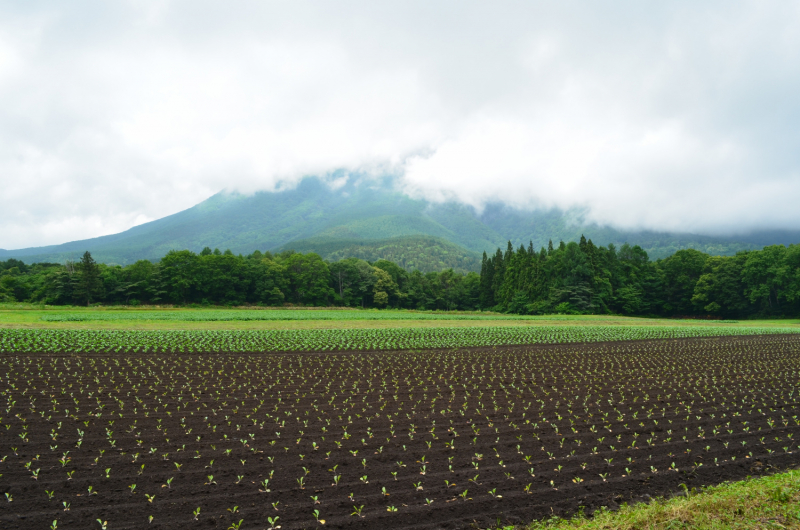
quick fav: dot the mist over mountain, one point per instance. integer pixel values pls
(371, 219)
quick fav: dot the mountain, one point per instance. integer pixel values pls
(370, 219)
(424, 253)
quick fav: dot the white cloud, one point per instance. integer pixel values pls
(677, 117)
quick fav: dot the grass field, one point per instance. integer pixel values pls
(151, 318)
(762, 503)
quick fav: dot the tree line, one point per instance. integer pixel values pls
(571, 278)
(584, 278)
(222, 278)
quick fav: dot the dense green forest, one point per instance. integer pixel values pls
(222, 278)
(585, 278)
(568, 278)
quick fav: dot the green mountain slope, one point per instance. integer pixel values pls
(361, 219)
(423, 253)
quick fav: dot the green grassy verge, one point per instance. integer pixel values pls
(768, 502)
(22, 316)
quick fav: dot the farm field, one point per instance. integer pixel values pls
(394, 439)
(322, 340)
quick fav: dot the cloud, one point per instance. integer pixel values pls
(668, 117)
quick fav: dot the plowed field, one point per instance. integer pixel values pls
(392, 439)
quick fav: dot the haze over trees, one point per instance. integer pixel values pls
(570, 278)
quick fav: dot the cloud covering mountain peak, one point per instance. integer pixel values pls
(668, 117)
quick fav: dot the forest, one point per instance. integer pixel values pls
(570, 278)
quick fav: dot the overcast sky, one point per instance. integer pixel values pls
(662, 115)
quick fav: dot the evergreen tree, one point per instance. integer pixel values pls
(89, 287)
(486, 296)
(499, 266)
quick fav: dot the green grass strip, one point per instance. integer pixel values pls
(244, 315)
(771, 502)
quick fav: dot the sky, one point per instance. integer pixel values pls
(671, 116)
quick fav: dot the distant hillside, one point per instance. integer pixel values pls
(363, 218)
(423, 253)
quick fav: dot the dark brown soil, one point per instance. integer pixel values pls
(584, 425)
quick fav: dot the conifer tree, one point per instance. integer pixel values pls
(88, 288)
(486, 297)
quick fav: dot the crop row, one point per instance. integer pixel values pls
(138, 341)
